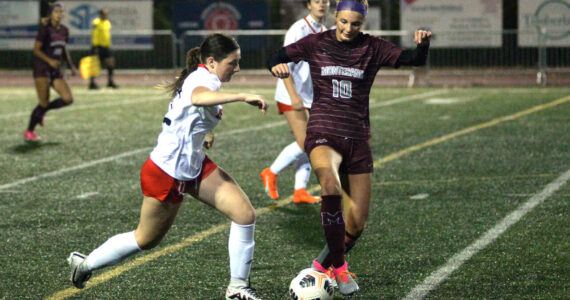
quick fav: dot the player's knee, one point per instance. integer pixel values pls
(330, 186)
(245, 215)
(68, 100)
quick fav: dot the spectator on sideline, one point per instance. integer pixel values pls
(294, 96)
(101, 46)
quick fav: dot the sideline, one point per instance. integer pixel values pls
(137, 261)
(457, 260)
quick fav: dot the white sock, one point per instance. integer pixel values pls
(302, 172)
(287, 156)
(240, 246)
(113, 251)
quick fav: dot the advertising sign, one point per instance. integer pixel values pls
(19, 23)
(455, 23)
(551, 17)
(131, 22)
(220, 15)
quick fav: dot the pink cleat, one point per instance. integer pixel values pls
(31, 136)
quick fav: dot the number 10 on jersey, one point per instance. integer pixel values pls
(342, 88)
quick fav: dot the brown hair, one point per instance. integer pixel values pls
(216, 45)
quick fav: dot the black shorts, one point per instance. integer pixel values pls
(356, 154)
(102, 52)
(42, 69)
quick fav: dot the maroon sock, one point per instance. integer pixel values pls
(325, 258)
(36, 117)
(333, 224)
(57, 103)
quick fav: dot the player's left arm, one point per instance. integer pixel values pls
(418, 56)
(277, 64)
(209, 140)
(69, 61)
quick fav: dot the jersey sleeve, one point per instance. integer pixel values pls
(302, 49)
(43, 35)
(387, 53)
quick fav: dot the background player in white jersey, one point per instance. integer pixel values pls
(294, 95)
(177, 165)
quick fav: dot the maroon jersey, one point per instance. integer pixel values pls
(53, 40)
(342, 75)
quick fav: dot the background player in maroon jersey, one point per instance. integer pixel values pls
(343, 64)
(49, 49)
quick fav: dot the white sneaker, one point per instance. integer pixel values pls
(241, 293)
(79, 272)
(346, 284)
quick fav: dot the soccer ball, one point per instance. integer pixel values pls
(311, 284)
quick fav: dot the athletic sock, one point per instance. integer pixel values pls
(110, 76)
(324, 258)
(114, 250)
(333, 225)
(36, 117)
(302, 171)
(287, 156)
(57, 103)
(240, 246)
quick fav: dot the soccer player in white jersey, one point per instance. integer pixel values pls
(294, 96)
(177, 166)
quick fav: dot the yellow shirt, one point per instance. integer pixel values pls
(101, 35)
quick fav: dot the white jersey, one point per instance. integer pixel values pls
(179, 148)
(300, 71)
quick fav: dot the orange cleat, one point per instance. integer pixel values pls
(270, 182)
(302, 196)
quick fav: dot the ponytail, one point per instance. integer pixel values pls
(192, 61)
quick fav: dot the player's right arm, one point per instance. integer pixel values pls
(41, 55)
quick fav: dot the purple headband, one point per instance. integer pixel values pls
(53, 6)
(353, 6)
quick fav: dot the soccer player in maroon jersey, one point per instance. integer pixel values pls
(344, 63)
(49, 49)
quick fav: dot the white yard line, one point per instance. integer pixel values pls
(147, 149)
(437, 277)
(89, 106)
(409, 98)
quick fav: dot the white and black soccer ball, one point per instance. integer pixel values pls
(311, 284)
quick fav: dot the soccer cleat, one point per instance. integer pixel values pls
(317, 266)
(302, 196)
(112, 85)
(31, 136)
(241, 293)
(79, 272)
(93, 86)
(345, 280)
(270, 182)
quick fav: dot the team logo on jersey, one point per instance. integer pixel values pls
(321, 141)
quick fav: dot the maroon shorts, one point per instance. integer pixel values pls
(356, 154)
(42, 69)
(157, 184)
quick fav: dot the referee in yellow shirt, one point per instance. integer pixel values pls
(101, 46)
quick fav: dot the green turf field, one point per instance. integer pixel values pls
(450, 166)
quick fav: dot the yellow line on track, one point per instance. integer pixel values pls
(224, 226)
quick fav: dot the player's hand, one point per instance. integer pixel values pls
(255, 100)
(209, 140)
(422, 37)
(54, 63)
(297, 103)
(281, 71)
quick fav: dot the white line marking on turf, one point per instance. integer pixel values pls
(437, 277)
(409, 98)
(87, 195)
(419, 196)
(134, 152)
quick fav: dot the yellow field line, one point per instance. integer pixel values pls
(224, 226)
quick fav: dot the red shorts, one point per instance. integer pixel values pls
(356, 154)
(157, 184)
(281, 107)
